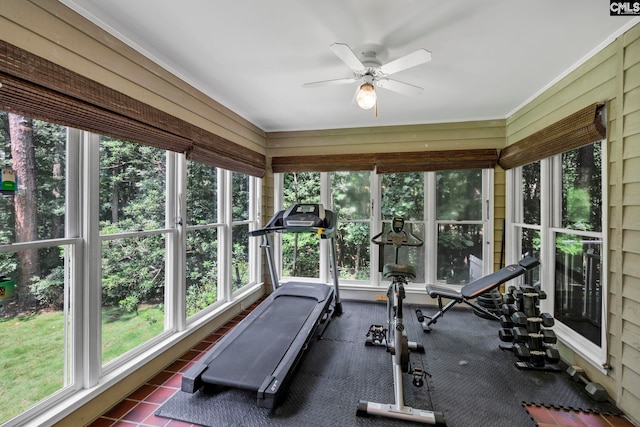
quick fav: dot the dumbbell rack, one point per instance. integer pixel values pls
(527, 330)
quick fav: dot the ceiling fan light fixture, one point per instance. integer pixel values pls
(366, 97)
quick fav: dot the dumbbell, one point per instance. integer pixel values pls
(505, 321)
(546, 335)
(519, 318)
(505, 334)
(515, 334)
(595, 390)
(522, 351)
(546, 319)
(541, 294)
(517, 294)
(509, 309)
(552, 355)
(508, 299)
(520, 334)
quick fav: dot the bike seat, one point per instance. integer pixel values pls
(399, 270)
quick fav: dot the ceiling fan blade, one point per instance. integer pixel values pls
(330, 82)
(347, 56)
(418, 57)
(400, 87)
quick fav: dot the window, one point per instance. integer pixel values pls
(301, 187)
(529, 217)
(241, 207)
(36, 264)
(219, 200)
(558, 218)
(202, 237)
(351, 197)
(578, 242)
(449, 210)
(93, 248)
(459, 207)
(132, 217)
(402, 194)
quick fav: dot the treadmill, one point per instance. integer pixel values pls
(263, 350)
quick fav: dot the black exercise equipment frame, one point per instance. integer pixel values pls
(263, 350)
(472, 290)
(394, 337)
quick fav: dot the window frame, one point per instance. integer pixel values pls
(551, 212)
(429, 223)
(85, 374)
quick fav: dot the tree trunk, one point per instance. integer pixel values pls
(58, 189)
(115, 194)
(26, 228)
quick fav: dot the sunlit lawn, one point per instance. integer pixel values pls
(32, 352)
(123, 331)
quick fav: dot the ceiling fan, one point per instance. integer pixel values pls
(371, 72)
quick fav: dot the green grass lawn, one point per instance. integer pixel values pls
(32, 352)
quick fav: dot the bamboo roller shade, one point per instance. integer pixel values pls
(37, 88)
(389, 162)
(580, 128)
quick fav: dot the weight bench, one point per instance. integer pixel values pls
(472, 290)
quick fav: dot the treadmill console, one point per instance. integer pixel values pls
(304, 215)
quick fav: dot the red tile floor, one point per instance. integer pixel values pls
(139, 407)
(553, 417)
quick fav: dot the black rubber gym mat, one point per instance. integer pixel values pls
(472, 381)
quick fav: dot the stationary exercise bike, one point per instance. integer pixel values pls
(394, 337)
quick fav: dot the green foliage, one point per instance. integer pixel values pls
(133, 268)
(49, 291)
(301, 187)
(459, 195)
(353, 251)
(582, 188)
(201, 295)
(301, 252)
(351, 199)
(578, 208)
(403, 195)
(202, 197)
(300, 255)
(130, 304)
(240, 191)
(569, 244)
(132, 186)
(202, 269)
(531, 187)
(49, 141)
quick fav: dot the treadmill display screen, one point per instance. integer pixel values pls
(306, 208)
(304, 215)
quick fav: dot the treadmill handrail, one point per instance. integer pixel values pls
(276, 225)
(263, 231)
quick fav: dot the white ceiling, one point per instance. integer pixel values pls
(489, 57)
